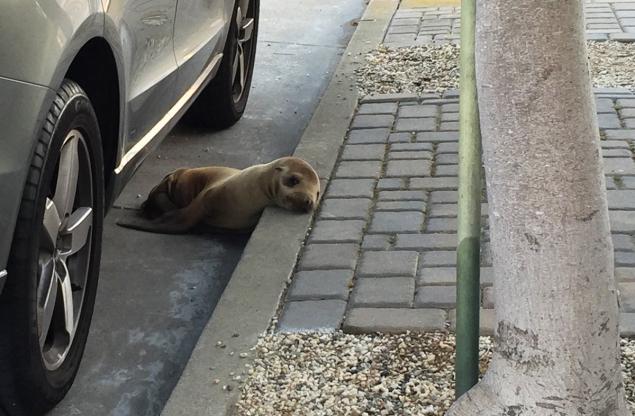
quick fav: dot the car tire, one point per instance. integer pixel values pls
(47, 304)
(222, 103)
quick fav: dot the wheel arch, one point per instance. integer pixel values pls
(95, 69)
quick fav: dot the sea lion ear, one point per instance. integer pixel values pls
(278, 168)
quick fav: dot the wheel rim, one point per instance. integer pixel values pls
(64, 254)
(245, 24)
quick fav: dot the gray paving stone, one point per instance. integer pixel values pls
(449, 126)
(337, 231)
(413, 155)
(621, 152)
(353, 208)
(435, 241)
(406, 39)
(435, 183)
(624, 199)
(629, 123)
(446, 170)
(450, 108)
(393, 222)
(487, 321)
(627, 297)
(450, 117)
(609, 121)
(364, 152)
(402, 137)
(625, 274)
(416, 124)
(398, 30)
(622, 134)
(597, 36)
(444, 197)
(394, 320)
(450, 210)
(377, 242)
(382, 98)
(438, 258)
(418, 111)
(614, 144)
(610, 184)
(447, 276)
(400, 206)
(378, 108)
(359, 169)
(402, 196)
(622, 221)
(622, 37)
(321, 284)
(627, 324)
(627, 112)
(329, 256)
(447, 159)
(319, 315)
(441, 225)
(409, 168)
(368, 136)
(447, 148)
(390, 184)
(410, 147)
(625, 102)
(372, 121)
(625, 13)
(619, 166)
(351, 188)
(624, 258)
(436, 297)
(405, 21)
(438, 136)
(604, 105)
(388, 263)
(383, 292)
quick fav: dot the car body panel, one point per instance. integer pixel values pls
(143, 31)
(199, 34)
(43, 56)
(154, 91)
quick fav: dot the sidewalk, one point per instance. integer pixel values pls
(381, 253)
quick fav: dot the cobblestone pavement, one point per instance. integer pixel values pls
(381, 253)
(439, 25)
(387, 224)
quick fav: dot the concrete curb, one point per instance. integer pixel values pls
(253, 293)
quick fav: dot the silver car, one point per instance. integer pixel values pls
(87, 89)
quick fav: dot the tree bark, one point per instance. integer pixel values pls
(556, 299)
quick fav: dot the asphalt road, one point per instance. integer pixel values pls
(157, 292)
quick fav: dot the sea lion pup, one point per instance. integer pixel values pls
(226, 198)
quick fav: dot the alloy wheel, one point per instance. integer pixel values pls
(64, 253)
(245, 24)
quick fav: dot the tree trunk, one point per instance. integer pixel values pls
(556, 300)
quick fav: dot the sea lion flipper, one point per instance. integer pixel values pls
(178, 221)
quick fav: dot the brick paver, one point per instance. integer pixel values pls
(381, 254)
(442, 25)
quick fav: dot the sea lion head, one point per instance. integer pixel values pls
(296, 185)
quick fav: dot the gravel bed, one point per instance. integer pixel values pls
(317, 374)
(428, 68)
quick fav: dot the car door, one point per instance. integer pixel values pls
(199, 32)
(146, 29)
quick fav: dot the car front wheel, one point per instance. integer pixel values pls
(47, 304)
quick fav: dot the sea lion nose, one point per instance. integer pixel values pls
(308, 205)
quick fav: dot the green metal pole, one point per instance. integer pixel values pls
(469, 215)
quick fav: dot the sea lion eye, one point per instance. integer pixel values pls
(291, 181)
